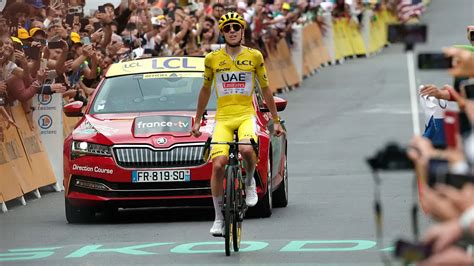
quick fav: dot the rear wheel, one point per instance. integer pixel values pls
(78, 214)
(229, 210)
(280, 196)
(238, 210)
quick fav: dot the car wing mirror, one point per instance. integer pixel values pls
(279, 102)
(73, 109)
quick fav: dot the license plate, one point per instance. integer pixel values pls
(161, 176)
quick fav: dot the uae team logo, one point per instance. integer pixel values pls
(44, 99)
(45, 122)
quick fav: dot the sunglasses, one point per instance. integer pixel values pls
(228, 27)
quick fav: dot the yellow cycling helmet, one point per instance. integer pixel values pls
(231, 17)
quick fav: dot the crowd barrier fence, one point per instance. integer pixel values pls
(25, 165)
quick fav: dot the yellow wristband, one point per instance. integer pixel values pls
(276, 120)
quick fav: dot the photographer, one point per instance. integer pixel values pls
(453, 207)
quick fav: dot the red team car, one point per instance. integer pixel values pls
(133, 147)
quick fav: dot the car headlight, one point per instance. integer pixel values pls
(82, 148)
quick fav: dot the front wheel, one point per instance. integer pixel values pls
(229, 209)
(238, 212)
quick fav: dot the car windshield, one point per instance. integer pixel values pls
(150, 93)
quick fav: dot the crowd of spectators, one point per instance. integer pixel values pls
(56, 46)
(450, 203)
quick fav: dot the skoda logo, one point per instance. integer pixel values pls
(161, 141)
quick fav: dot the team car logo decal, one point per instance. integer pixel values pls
(229, 83)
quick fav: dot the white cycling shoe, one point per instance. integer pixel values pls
(217, 228)
(251, 197)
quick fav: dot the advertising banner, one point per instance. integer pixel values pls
(48, 119)
(9, 186)
(297, 49)
(34, 148)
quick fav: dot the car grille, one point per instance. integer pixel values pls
(146, 157)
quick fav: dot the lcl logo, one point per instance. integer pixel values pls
(45, 121)
(44, 99)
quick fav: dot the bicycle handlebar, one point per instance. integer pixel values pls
(209, 142)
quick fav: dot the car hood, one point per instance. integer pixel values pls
(141, 128)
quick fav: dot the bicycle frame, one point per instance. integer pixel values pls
(234, 202)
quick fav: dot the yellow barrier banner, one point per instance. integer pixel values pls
(323, 50)
(68, 124)
(19, 161)
(355, 37)
(9, 186)
(310, 58)
(34, 149)
(286, 65)
(346, 40)
(307, 60)
(338, 40)
(275, 79)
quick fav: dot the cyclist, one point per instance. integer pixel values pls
(233, 71)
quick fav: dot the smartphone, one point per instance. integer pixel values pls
(412, 252)
(451, 128)
(437, 171)
(17, 46)
(434, 61)
(43, 64)
(33, 52)
(409, 34)
(70, 19)
(86, 40)
(101, 9)
(55, 45)
(84, 22)
(458, 181)
(97, 25)
(467, 88)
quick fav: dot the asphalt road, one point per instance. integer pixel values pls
(335, 119)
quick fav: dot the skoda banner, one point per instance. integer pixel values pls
(48, 117)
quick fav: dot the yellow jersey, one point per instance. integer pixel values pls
(233, 80)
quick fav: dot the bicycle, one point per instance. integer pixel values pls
(234, 208)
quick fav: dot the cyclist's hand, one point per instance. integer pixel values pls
(278, 130)
(195, 131)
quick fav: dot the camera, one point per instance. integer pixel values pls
(391, 157)
(409, 34)
(438, 173)
(412, 252)
(434, 61)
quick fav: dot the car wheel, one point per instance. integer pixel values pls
(264, 205)
(78, 214)
(280, 196)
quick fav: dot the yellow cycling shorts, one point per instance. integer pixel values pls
(224, 132)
